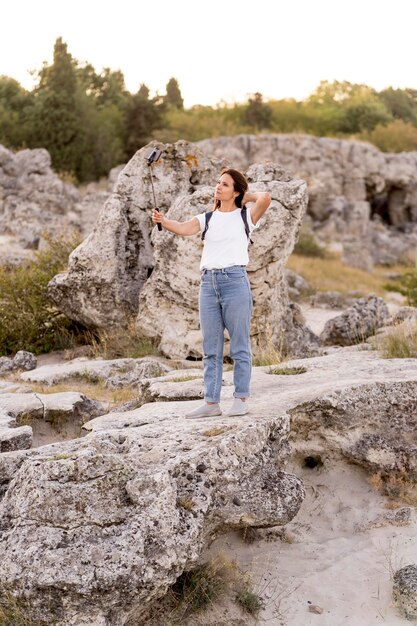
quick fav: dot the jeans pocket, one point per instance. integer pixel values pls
(238, 275)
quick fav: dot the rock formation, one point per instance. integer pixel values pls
(361, 320)
(35, 202)
(119, 270)
(405, 591)
(168, 303)
(32, 197)
(361, 197)
(108, 270)
(95, 529)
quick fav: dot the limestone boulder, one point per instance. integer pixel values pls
(127, 268)
(350, 184)
(22, 360)
(113, 373)
(404, 591)
(33, 199)
(358, 322)
(95, 528)
(168, 302)
(108, 270)
(372, 425)
(404, 313)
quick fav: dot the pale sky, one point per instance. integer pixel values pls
(219, 49)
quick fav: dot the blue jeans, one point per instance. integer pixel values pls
(226, 302)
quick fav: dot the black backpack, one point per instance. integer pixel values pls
(208, 217)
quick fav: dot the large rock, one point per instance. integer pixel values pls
(114, 372)
(357, 323)
(33, 199)
(119, 270)
(404, 591)
(108, 270)
(371, 424)
(93, 528)
(350, 183)
(168, 303)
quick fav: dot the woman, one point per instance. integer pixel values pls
(225, 295)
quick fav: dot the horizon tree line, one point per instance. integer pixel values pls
(89, 122)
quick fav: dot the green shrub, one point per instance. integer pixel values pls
(406, 284)
(199, 587)
(250, 602)
(29, 319)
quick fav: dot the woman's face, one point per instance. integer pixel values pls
(224, 190)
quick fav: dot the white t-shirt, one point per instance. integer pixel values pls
(225, 243)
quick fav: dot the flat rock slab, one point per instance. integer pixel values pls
(92, 370)
(19, 438)
(94, 528)
(57, 408)
(50, 406)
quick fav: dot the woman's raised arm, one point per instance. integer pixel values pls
(262, 200)
(190, 227)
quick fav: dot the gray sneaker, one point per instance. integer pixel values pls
(207, 410)
(239, 407)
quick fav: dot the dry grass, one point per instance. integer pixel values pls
(14, 612)
(331, 274)
(398, 487)
(200, 589)
(267, 353)
(94, 391)
(122, 343)
(398, 342)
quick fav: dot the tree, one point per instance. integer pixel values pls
(143, 116)
(400, 103)
(363, 116)
(173, 97)
(57, 124)
(15, 102)
(257, 113)
(397, 136)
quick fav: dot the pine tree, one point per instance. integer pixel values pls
(173, 97)
(143, 116)
(258, 114)
(56, 123)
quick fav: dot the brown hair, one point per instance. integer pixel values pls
(240, 184)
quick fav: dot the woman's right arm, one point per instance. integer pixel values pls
(190, 227)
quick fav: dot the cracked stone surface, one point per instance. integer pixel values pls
(117, 372)
(55, 408)
(405, 591)
(94, 528)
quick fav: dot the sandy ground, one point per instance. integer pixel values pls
(338, 554)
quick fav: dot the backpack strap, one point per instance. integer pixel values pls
(245, 221)
(208, 217)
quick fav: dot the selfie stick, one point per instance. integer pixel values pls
(151, 158)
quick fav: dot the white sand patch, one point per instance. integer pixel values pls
(339, 554)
